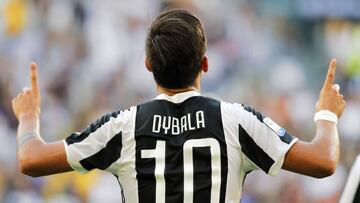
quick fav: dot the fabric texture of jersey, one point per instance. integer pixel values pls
(181, 148)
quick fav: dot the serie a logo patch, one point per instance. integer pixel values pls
(274, 126)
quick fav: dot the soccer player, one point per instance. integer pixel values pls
(181, 146)
(351, 191)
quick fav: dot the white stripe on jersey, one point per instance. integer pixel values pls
(235, 170)
(124, 167)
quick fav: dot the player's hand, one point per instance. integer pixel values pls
(28, 100)
(330, 98)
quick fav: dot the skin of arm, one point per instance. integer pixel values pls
(35, 157)
(319, 158)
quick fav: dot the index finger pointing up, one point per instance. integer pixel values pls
(33, 77)
(331, 74)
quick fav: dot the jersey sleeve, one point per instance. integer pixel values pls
(263, 143)
(99, 145)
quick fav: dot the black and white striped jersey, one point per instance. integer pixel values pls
(182, 148)
(351, 193)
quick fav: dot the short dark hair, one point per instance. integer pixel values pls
(175, 47)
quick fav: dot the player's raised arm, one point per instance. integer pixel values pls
(320, 157)
(35, 157)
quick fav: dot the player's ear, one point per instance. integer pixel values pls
(204, 64)
(147, 64)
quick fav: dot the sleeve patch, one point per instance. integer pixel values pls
(274, 126)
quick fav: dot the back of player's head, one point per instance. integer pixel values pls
(175, 47)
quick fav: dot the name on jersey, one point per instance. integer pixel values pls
(176, 126)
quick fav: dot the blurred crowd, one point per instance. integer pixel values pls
(90, 55)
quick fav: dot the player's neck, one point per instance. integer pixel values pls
(171, 92)
(195, 87)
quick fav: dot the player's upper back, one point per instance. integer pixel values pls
(181, 148)
(184, 135)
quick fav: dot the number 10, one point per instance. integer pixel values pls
(159, 154)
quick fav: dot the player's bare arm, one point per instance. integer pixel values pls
(320, 157)
(35, 156)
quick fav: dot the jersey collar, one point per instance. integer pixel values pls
(178, 98)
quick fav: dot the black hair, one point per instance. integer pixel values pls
(175, 48)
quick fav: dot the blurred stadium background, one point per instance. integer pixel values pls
(272, 55)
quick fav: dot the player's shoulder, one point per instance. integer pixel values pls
(238, 106)
(232, 106)
(117, 116)
(240, 110)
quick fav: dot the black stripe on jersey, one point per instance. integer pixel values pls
(78, 137)
(357, 195)
(106, 156)
(254, 152)
(258, 115)
(202, 176)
